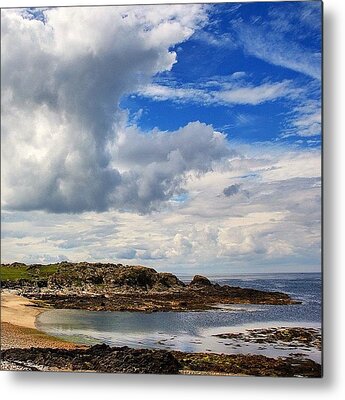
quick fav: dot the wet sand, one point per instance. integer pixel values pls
(18, 316)
(18, 328)
(21, 337)
(17, 310)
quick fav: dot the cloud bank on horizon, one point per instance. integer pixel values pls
(180, 136)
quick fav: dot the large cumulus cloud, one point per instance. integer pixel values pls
(155, 165)
(66, 146)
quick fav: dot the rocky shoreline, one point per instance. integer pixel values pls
(114, 287)
(293, 337)
(102, 358)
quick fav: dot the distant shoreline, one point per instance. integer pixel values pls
(234, 275)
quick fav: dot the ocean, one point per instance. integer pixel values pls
(194, 331)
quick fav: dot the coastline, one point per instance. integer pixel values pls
(18, 328)
(25, 348)
(19, 311)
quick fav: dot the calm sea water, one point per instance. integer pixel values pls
(193, 331)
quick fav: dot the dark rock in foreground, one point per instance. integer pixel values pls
(249, 364)
(102, 358)
(115, 287)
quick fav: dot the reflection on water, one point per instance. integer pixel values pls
(193, 331)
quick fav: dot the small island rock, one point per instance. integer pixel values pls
(200, 281)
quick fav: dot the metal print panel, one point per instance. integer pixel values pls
(161, 189)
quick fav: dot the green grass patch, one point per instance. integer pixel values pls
(15, 272)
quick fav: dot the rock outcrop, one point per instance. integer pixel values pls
(115, 287)
(113, 277)
(102, 358)
(202, 281)
(293, 337)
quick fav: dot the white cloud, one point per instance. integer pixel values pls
(255, 95)
(154, 166)
(306, 119)
(275, 222)
(62, 80)
(244, 94)
(162, 92)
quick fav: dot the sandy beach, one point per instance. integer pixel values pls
(17, 310)
(18, 328)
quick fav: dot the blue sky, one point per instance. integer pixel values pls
(222, 53)
(183, 137)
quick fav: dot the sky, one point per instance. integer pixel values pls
(182, 137)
